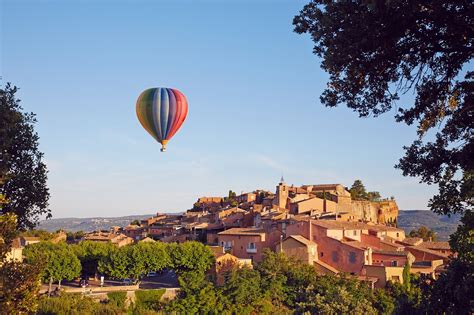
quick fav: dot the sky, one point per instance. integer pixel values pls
(252, 85)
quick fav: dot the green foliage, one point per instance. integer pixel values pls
(408, 300)
(42, 234)
(462, 241)
(19, 282)
(383, 302)
(74, 236)
(20, 286)
(90, 253)
(358, 191)
(61, 262)
(423, 232)
(190, 256)
(196, 295)
(8, 232)
(24, 185)
(135, 222)
(132, 261)
(452, 293)
(406, 277)
(117, 299)
(74, 304)
(149, 299)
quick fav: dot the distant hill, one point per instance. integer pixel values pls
(88, 224)
(441, 224)
(407, 220)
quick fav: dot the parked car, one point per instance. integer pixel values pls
(152, 274)
(128, 281)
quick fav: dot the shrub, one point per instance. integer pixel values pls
(117, 299)
(74, 304)
(149, 299)
(66, 304)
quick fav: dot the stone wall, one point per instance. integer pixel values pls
(380, 212)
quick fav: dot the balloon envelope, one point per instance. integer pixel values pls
(162, 111)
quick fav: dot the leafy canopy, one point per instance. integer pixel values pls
(376, 51)
(21, 163)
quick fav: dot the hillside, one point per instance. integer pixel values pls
(442, 225)
(88, 224)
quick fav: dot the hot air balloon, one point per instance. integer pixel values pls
(162, 111)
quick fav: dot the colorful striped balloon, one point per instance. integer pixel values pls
(162, 111)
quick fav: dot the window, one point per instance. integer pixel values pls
(334, 256)
(322, 254)
(251, 246)
(355, 233)
(394, 263)
(352, 257)
(398, 234)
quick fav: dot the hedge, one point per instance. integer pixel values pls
(149, 299)
(117, 298)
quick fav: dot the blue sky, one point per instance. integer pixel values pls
(253, 89)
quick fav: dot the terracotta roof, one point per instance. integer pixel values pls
(303, 240)
(146, 240)
(413, 241)
(391, 253)
(426, 250)
(31, 238)
(324, 185)
(243, 231)
(332, 224)
(326, 266)
(435, 245)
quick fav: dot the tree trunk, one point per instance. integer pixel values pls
(59, 285)
(50, 285)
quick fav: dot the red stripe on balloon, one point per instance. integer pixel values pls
(181, 113)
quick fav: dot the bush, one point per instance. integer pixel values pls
(117, 299)
(74, 304)
(149, 299)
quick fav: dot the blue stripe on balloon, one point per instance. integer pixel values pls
(157, 113)
(165, 104)
(172, 112)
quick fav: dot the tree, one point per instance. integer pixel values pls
(190, 256)
(374, 51)
(358, 191)
(90, 253)
(20, 286)
(406, 276)
(374, 196)
(197, 296)
(135, 222)
(423, 232)
(133, 261)
(19, 282)
(243, 289)
(21, 163)
(452, 293)
(61, 261)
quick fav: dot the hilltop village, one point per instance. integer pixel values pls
(321, 225)
(318, 224)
